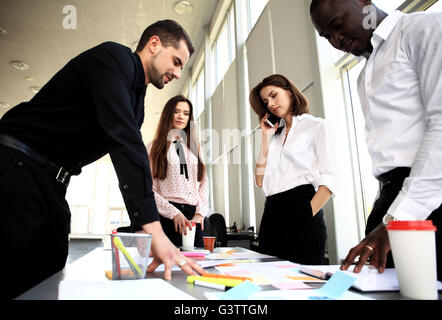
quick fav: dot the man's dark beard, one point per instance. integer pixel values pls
(155, 78)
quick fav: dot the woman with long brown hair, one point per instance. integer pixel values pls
(179, 176)
(295, 171)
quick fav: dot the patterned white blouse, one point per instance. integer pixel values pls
(176, 187)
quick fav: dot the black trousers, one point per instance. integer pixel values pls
(390, 184)
(34, 225)
(289, 230)
(169, 227)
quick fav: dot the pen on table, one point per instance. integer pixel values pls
(226, 282)
(211, 285)
(117, 255)
(315, 273)
(224, 276)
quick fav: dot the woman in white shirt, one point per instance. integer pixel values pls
(295, 171)
(180, 181)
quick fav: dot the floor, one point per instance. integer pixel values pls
(80, 247)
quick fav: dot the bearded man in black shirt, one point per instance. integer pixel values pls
(93, 106)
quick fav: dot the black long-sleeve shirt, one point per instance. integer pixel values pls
(93, 106)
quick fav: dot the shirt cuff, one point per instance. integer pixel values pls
(170, 212)
(329, 182)
(144, 212)
(202, 210)
(404, 208)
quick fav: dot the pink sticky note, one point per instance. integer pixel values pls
(238, 273)
(291, 286)
(193, 254)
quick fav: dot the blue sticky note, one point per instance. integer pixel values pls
(296, 270)
(241, 291)
(320, 298)
(336, 285)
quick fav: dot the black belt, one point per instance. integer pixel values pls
(394, 174)
(304, 190)
(61, 174)
(183, 206)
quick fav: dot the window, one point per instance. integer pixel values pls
(255, 8)
(388, 6)
(221, 53)
(436, 7)
(363, 164)
(80, 197)
(95, 200)
(223, 49)
(197, 95)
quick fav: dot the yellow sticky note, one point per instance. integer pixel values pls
(260, 280)
(304, 278)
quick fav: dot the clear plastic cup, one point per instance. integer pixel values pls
(130, 255)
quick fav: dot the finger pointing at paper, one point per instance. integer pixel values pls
(165, 252)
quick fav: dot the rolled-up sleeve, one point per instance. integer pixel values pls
(111, 78)
(325, 158)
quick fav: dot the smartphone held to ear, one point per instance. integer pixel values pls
(272, 120)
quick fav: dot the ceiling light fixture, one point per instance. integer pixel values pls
(183, 8)
(2, 31)
(4, 105)
(35, 89)
(19, 65)
(29, 78)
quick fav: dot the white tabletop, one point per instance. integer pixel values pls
(92, 266)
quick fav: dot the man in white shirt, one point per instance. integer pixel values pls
(400, 89)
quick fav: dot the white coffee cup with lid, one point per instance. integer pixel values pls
(413, 246)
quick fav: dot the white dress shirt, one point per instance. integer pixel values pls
(400, 89)
(305, 158)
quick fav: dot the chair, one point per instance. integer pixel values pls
(218, 226)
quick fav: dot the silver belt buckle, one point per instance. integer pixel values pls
(63, 176)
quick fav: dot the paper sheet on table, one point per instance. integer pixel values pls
(141, 260)
(146, 289)
(369, 279)
(283, 273)
(233, 255)
(202, 263)
(289, 295)
(291, 286)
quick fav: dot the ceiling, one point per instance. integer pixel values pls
(34, 34)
